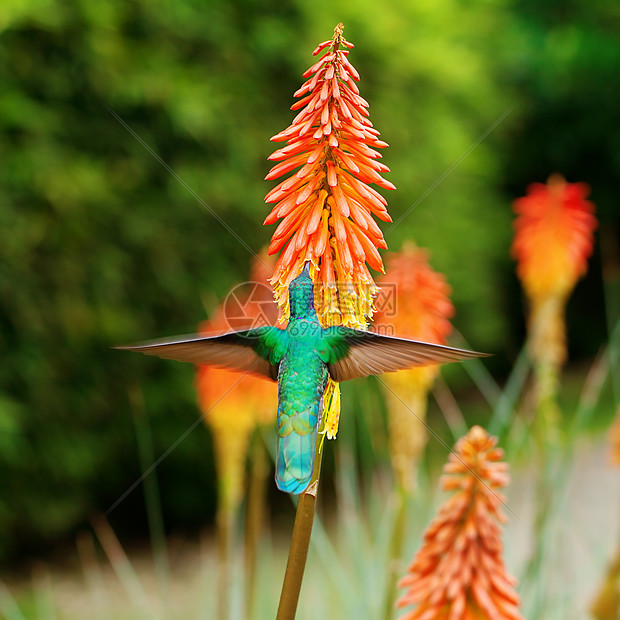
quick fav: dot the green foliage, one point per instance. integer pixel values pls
(102, 245)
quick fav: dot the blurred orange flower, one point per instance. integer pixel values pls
(553, 239)
(553, 236)
(415, 304)
(326, 206)
(459, 573)
(235, 403)
(422, 307)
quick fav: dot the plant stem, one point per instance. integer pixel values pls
(300, 543)
(396, 548)
(254, 519)
(122, 566)
(151, 494)
(552, 477)
(225, 527)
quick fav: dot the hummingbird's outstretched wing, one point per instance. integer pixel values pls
(351, 353)
(258, 351)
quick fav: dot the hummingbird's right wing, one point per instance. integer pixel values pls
(257, 351)
(351, 353)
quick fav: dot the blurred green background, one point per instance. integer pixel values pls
(101, 245)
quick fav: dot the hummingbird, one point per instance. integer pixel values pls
(301, 358)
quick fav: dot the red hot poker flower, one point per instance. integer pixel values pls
(326, 207)
(459, 573)
(553, 240)
(416, 304)
(422, 297)
(553, 236)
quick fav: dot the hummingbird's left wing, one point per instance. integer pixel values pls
(351, 353)
(257, 351)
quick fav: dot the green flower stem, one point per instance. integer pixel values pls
(395, 569)
(547, 375)
(151, 493)
(300, 543)
(255, 518)
(225, 519)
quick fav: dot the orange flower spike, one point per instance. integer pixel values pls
(231, 418)
(553, 236)
(459, 572)
(418, 307)
(236, 404)
(332, 145)
(553, 240)
(424, 306)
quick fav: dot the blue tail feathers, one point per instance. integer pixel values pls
(295, 453)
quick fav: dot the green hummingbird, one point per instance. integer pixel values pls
(301, 358)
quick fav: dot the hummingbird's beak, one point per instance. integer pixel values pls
(306, 268)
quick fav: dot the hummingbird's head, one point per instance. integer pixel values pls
(301, 294)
